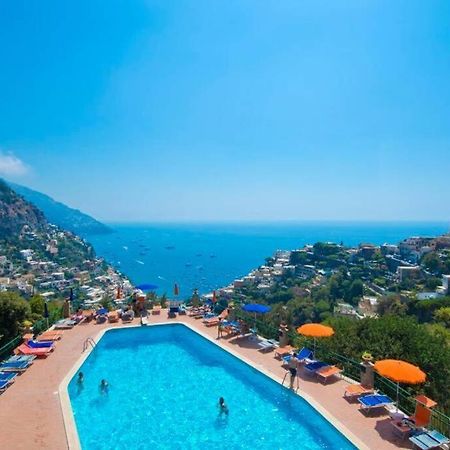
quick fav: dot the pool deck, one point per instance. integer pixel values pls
(31, 415)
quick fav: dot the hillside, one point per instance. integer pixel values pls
(62, 215)
(16, 213)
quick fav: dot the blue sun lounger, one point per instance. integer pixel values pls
(305, 354)
(24, 358)
(39, 344)
(7, 376)
(313, 367)
(374, 401)
(3, 385)
(428, 440)
(14, 366)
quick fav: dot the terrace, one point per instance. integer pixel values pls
(32, 416)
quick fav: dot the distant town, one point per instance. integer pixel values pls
(416, 268)
(43, 267)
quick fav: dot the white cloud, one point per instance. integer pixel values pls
(10, 165)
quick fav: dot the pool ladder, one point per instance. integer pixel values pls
(88, 342)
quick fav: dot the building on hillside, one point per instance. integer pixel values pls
(446, 284)
(367, 251)
(306, 270)
(389, 249)
(83, 276)
(408, 273)
(346, 310)
(368, 306)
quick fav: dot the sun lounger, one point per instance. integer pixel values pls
(7, 376)
(156, 309)
(267, 344)
(284, 351)
(65, 324)
(40, 344)
(312, 368)
(374, 401)
(303, 355)
(421, 417)
(39, 352)
(357, 390)
(23, 358)
(50, 335)
(327, 372)
(3, 385)
(14, 366)
(428, 440)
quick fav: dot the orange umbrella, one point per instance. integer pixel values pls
(315, 330)
(400, 372)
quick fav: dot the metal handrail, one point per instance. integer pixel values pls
(352, 370)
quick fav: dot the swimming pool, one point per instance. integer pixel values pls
(164, 386)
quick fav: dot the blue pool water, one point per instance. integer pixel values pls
(164, 386)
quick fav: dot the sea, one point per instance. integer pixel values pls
(210, 256)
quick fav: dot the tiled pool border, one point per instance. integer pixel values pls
(73, 441)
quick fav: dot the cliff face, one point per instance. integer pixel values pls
(62, 215)
(16, 212)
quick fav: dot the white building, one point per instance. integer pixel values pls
(408, 273)
(446, 283)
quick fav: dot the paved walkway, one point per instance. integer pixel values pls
(31, 416)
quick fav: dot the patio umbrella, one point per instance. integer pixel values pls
(256, 308)
(315, 330)
(400, 372)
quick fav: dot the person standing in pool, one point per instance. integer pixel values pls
(223, 408)
(80, 381)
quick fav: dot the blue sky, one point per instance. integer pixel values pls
(229, 110)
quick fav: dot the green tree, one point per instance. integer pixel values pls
(37, 305)
(443, 315)
(432, 262)
(13, 311)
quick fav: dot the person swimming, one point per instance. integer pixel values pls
(223, 408)
(104, 386)
(80, 382)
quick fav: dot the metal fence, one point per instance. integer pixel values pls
(352, 369)
(7, 349)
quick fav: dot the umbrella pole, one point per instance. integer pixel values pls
(397, 396)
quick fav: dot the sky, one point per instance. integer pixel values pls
(212, 110)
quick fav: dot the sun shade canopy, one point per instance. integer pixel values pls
(315, 330)
(256, 308)
(400, 371)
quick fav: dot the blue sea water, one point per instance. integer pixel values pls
(209, 256)
(164, 386)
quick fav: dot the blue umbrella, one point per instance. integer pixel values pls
(146, 287)
(256, 308)
(102, 311)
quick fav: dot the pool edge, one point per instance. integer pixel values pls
(72, 437)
